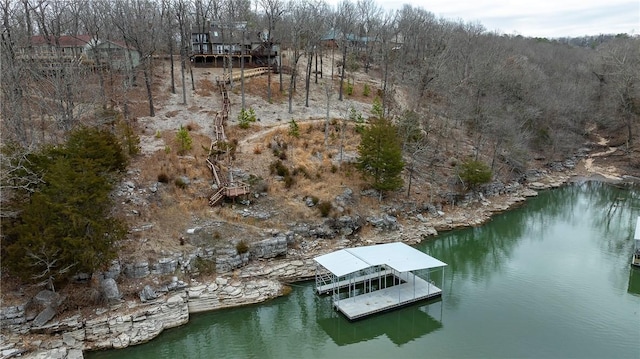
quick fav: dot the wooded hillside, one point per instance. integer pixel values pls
(439, 83)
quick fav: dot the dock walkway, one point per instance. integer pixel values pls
(413, 290)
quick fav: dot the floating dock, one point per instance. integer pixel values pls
(382, 300)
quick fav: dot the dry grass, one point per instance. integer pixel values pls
(358, 91)
(310, 163)
(205, 87)
(257, 86)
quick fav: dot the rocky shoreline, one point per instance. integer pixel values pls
(133, 322)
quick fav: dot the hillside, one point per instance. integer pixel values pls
(161, 213)
(164, 196)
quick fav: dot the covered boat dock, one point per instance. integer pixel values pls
(635, 259)
(372, 279)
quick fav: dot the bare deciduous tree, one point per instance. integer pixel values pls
(345, 21)
(273, 9)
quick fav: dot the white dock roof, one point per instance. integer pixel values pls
(398, 256)
(636, 237)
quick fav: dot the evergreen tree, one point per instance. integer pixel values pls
(474, 174)
(65, 226)
(380, 155)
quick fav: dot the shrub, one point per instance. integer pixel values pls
(130, 140)
(204, 266)
(180, 183)
(184, 140)
(474, 173)
(302, 170)
(242, 247)
(325, 208)
(261, 187)
(278, 168)
(246, 117)
(289, 181)
(315, 200)
(366, 91)
(257, 150)
(376, 108)
(294, 130)
(357, 118)
(349, 89)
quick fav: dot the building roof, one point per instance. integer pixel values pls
(110, 43)
(335, 35)
(64, 40)
(398, 256)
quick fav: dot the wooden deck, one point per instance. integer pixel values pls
(413, 290)
(236, 190)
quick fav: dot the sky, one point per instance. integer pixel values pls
(538, 18)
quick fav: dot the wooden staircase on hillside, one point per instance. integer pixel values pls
(237, 75)
(218, 153)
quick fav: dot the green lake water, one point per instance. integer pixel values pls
(551, 279)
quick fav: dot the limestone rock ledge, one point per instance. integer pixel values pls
(137, 322)
(224, 293)
(143, 322)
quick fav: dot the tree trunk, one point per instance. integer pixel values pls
(269, 76)
(182, 74)
(193, 84)
(147, 83)
(292, 80)
(242, 51)
(173, 78)
(316, 55)
(280, 70)
(384, 82)
(344, 66)
(308, 79)
(410, 178)
(326, 122)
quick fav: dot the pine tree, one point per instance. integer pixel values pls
(380, 155)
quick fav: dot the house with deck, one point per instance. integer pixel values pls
(218, 42)
(52, 53)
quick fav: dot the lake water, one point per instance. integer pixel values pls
(549, 280)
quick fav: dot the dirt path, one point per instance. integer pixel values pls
(610, 172)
